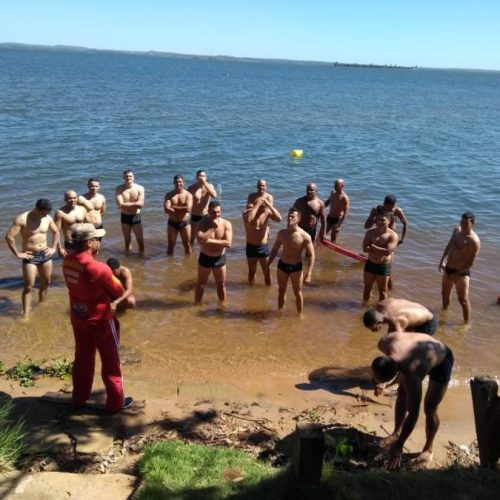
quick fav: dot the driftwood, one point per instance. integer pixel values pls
(487, 417)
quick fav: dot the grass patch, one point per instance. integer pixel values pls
(173, 469)
(12, 434)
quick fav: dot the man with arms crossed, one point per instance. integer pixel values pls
(65, 218)
(294, 240)
(400, 316)
(130, 200)
(311, 208)
(123, 274)
(261, 193)
(409, 358)
(94, 203)
(215, 234)
(380, 244)
(177, 205)
(36, 255)
(256, 221)
(459, 255)
(202, 192)
(91, 288)
(339, 208)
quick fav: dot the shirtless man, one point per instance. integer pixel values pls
(202, 192)
(256, 221)
(311, 208)
(177, 205)
(411, 357)
(380, 244)
(65, 218)
(94, 203)
(260, 194)
(130, 200)
(215, 234)
(389, 207)
(339, 208)
(459, 255)
(400, 316)
(122, 273)
(35, 254)
(294, 240)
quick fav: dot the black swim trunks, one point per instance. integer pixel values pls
(209, 261)
(428, 327)
(442, 372)
(179, 225)
(257, 251)
(196, 218)
(38, 258)
(333, 220)
(311, 232)
(130, 220)
(453, 272)
(378, 269)
(289, 268)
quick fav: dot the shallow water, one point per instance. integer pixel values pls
(430, 137)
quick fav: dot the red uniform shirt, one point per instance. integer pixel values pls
(91, 287)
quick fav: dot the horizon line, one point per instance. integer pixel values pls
(157, 53)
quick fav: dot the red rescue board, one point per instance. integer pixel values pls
(344, 251)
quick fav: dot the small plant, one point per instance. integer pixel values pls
(60, 368)
(12, 435)
(25, 373)
(2, 367)
(312, 416)
(343, 450)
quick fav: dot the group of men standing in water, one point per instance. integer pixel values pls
(97, 289)
(195, 215)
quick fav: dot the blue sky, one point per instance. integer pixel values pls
(438, 33)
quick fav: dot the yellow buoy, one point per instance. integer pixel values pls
(297, 153)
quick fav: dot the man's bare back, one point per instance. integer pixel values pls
(404, 315)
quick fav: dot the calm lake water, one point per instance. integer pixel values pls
(430, 137)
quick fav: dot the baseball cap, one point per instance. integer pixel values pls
(86, 231)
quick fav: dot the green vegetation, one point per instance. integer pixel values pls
(2, 367)
(24, 372)
(12, 435)
(60, 368)
(172, 469)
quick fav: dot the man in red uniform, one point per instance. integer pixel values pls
(91, 289)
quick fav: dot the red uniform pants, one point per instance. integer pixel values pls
(103, 337)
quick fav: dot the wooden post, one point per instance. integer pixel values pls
(486, 405)
(308, 452)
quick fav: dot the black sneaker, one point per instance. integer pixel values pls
(128, 402)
